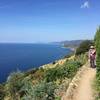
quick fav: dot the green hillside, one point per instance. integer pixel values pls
(48, 82)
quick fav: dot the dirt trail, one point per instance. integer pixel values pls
(84, 90)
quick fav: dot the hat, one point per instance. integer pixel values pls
(91, 47)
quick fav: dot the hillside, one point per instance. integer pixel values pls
(54, 81)
(49, 81)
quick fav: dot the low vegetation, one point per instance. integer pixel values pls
(2, 92)
(41, 84)
(68, 70)
(97, 44)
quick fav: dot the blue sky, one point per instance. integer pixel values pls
(32, 21)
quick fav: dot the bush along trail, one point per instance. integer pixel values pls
(97, 82)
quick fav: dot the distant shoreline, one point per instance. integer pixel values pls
(73, 49)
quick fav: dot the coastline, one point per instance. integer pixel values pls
(59, 61)
(52, 63)
(72, 49)
(46, 66)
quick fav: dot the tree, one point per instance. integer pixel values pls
(84, 47)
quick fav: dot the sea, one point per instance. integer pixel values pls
(14, 57)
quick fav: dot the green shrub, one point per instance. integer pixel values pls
(84, 47)
(14, 84)
(41, 91)
(60, 72)
(71, 68)
(97, 44)
(2, 92)
(54, 73)
(97, 98)
(58, 98)
(38, 75)
(83, 58)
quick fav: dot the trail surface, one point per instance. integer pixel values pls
(84, 91)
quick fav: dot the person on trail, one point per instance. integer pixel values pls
(92, 56)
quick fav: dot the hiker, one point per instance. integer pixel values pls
(92, 56)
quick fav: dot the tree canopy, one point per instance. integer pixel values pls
(84, 47)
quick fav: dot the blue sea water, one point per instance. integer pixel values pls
(23, 57)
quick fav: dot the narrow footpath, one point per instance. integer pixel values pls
(84, 91)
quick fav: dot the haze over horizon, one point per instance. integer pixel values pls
(36, 21)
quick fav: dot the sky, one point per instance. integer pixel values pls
(36, 21)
